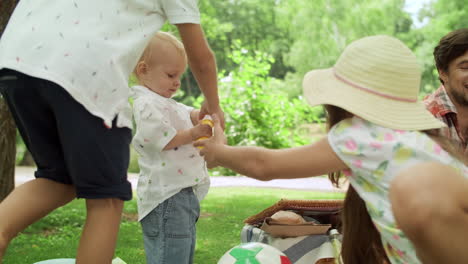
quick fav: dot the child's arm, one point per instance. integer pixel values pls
(266, 164)
(184, 137)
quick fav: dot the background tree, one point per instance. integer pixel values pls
(7, 125)
(320, 31)
(439, 17)
(258, 25)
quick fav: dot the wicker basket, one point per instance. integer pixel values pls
(325, 211)
(328, 208)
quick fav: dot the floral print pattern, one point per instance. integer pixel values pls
(374, 155)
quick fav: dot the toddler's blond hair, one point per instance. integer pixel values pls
(160, 36)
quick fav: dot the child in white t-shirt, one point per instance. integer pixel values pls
(173, 176)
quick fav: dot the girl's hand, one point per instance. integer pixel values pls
(210, 146)
(201, 130)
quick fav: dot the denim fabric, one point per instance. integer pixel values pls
(169, 231)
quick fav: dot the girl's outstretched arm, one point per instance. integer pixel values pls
(267, 164)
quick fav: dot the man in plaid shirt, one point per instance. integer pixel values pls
(449, 103)
(431, 191)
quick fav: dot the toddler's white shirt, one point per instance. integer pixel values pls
(88, 47)
(163, 173)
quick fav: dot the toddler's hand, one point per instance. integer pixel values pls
(201, 130)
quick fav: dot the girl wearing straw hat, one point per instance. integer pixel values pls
(382, 139)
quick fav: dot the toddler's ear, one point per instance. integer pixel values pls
(141, 69)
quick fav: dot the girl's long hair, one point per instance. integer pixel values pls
(361, 240)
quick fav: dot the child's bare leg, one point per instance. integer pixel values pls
(430, 206)
(97, 244)
(28, 203)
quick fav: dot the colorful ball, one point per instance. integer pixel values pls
(254, 253)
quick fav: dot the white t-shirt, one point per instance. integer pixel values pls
(88, 47)
(163, 173)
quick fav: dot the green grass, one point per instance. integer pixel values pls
(223, 212)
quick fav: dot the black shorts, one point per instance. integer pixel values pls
(68, 144)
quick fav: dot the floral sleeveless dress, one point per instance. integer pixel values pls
(375, 155)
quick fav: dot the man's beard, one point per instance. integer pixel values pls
(460, 97)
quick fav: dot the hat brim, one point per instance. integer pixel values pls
(322, 87)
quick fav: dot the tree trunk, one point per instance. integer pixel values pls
(7, 150)
(6, 9)
(27, 160)
(7, 125)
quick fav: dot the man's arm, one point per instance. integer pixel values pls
(203, 65)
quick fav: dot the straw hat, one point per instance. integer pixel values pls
(376, 78)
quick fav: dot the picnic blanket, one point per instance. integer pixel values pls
(300, 250)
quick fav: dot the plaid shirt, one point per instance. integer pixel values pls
(440, 105)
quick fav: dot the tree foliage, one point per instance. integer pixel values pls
(256, 114)
(441, 17)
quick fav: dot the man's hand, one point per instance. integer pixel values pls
(210, 146)
(208, 110)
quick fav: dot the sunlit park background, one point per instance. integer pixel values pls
(263, 49)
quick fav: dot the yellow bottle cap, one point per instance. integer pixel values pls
(201, 138)
(207, 121)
